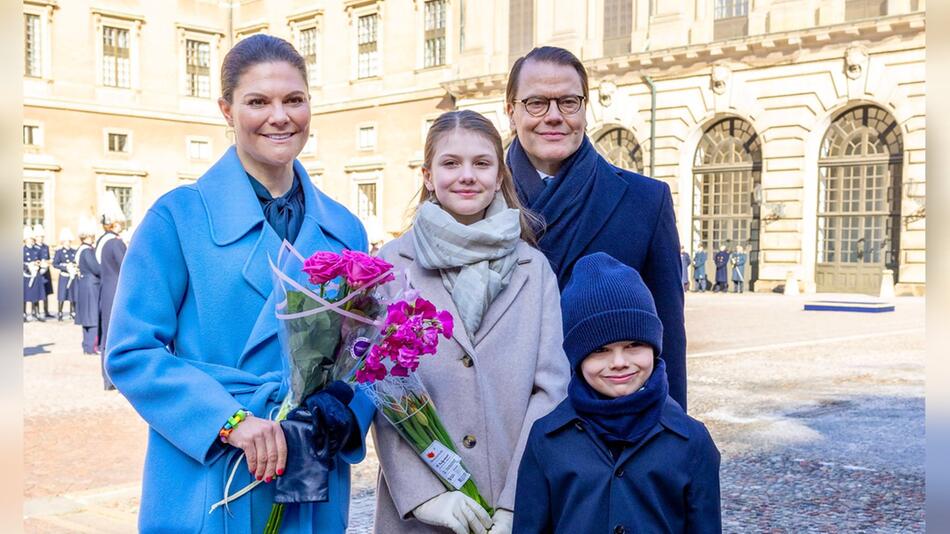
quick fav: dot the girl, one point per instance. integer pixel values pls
(467, 251)
(193, 341)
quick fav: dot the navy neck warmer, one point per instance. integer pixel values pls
(285, 213)
(621, 421)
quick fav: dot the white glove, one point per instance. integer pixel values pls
(504, 522)
(454, 511)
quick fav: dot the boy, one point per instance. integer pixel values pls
(618, 455)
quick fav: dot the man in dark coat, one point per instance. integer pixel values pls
(618, 455)
(722, 266)
(87, 298)
(588, 205)
(64, 259)
(110, 250)
(699, 268)
(684, 259)
(738, 261)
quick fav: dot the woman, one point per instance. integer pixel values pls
(193, 343)
(504, 366)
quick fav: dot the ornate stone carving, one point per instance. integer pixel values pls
(855, 61)
(719, 78)
(605, 93)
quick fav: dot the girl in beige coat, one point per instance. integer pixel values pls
(468, 253)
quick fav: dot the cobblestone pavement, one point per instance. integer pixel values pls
(819, 417)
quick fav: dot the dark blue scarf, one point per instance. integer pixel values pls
(285, 213)
(574, 207)
(622, 421)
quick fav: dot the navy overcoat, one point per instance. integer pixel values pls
(722, 266)
(110, 250)
(194, 338)
(32, 280)
(569, 483)
(87, 299)
(66, 288)
(699, 264)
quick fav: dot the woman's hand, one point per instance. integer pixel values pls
(264, 447)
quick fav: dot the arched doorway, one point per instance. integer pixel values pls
(859, 195)
(621, 149)
(727, 176)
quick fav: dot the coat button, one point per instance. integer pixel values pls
(619, 529)
(468, 441)
(619, 473)
(467, 360)
(579, 426)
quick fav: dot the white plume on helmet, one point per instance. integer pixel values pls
(111, 211)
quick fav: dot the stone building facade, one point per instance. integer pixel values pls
(795, 128)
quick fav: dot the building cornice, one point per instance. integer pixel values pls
(85, 107)
(772, 47)
(195, 28)
(119, 171)
(376, 100)
(110, 14)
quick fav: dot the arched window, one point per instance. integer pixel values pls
(727, 172)
(859, 193)
(620, 148)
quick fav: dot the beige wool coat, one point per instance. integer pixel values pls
(488, 390)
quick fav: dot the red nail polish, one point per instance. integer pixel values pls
(280, 472)
(260, 477)
(267, 480)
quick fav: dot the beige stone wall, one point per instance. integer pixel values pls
(787, 78)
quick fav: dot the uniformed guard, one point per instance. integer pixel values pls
(110, 250)
(699, 268)
(32, 278)
(64, 260)
(42, 250)
(685, 261)
(722, 264)
(87, 298)
(738, 268)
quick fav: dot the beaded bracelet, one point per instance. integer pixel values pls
(232, 423)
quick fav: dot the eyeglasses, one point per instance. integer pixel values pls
(538, 106)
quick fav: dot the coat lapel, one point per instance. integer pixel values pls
(607, 190)
(429, 284)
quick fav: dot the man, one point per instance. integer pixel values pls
(722, 262)
(41, 249)
(685, 261)
(588, 205)
(32, 278)
(64, 260)
(87, 298)
(110, 250)
(699, 268)
(738, 268)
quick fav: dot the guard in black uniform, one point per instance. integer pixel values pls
(110, 250)
(39, 235)
(87, 299)
(32, 278)
(722, 267)
(64, 260)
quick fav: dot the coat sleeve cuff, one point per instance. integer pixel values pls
(363, 408)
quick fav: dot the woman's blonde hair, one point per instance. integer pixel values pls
(475, 122)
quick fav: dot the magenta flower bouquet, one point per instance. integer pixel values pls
(386, 373)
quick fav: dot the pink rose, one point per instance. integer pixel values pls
(361, 269)
(323, 266)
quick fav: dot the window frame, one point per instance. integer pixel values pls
(108, 132)
(435, 33)
(196, 139)
(37, 136)
(367, 126)
(43, 10)
(133, 25)
(374, 63)
(112, 178)
(193, 74)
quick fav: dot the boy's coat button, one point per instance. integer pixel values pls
(619, 529)
(468, 441)
(619, 473)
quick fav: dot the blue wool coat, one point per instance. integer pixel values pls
(722, 262)
(194, 338)
(66, 288)
(699, 264)
(569, 483)
(87, 294)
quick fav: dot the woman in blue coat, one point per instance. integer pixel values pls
(193, 340)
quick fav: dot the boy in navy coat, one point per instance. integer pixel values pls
(618, 455)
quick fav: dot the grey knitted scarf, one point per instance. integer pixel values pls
(475, 260)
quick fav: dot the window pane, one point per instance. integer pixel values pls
(520, 28)
(33, 203)
(368, 59)
(32, 45)
(116, 66)
(366, 202)
(124, 195)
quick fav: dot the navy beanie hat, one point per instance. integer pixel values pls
(604, 302)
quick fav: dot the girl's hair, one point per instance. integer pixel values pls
(471, 121)
(258, 48)
(546, 54)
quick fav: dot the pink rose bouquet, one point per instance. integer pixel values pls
(386, 373)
